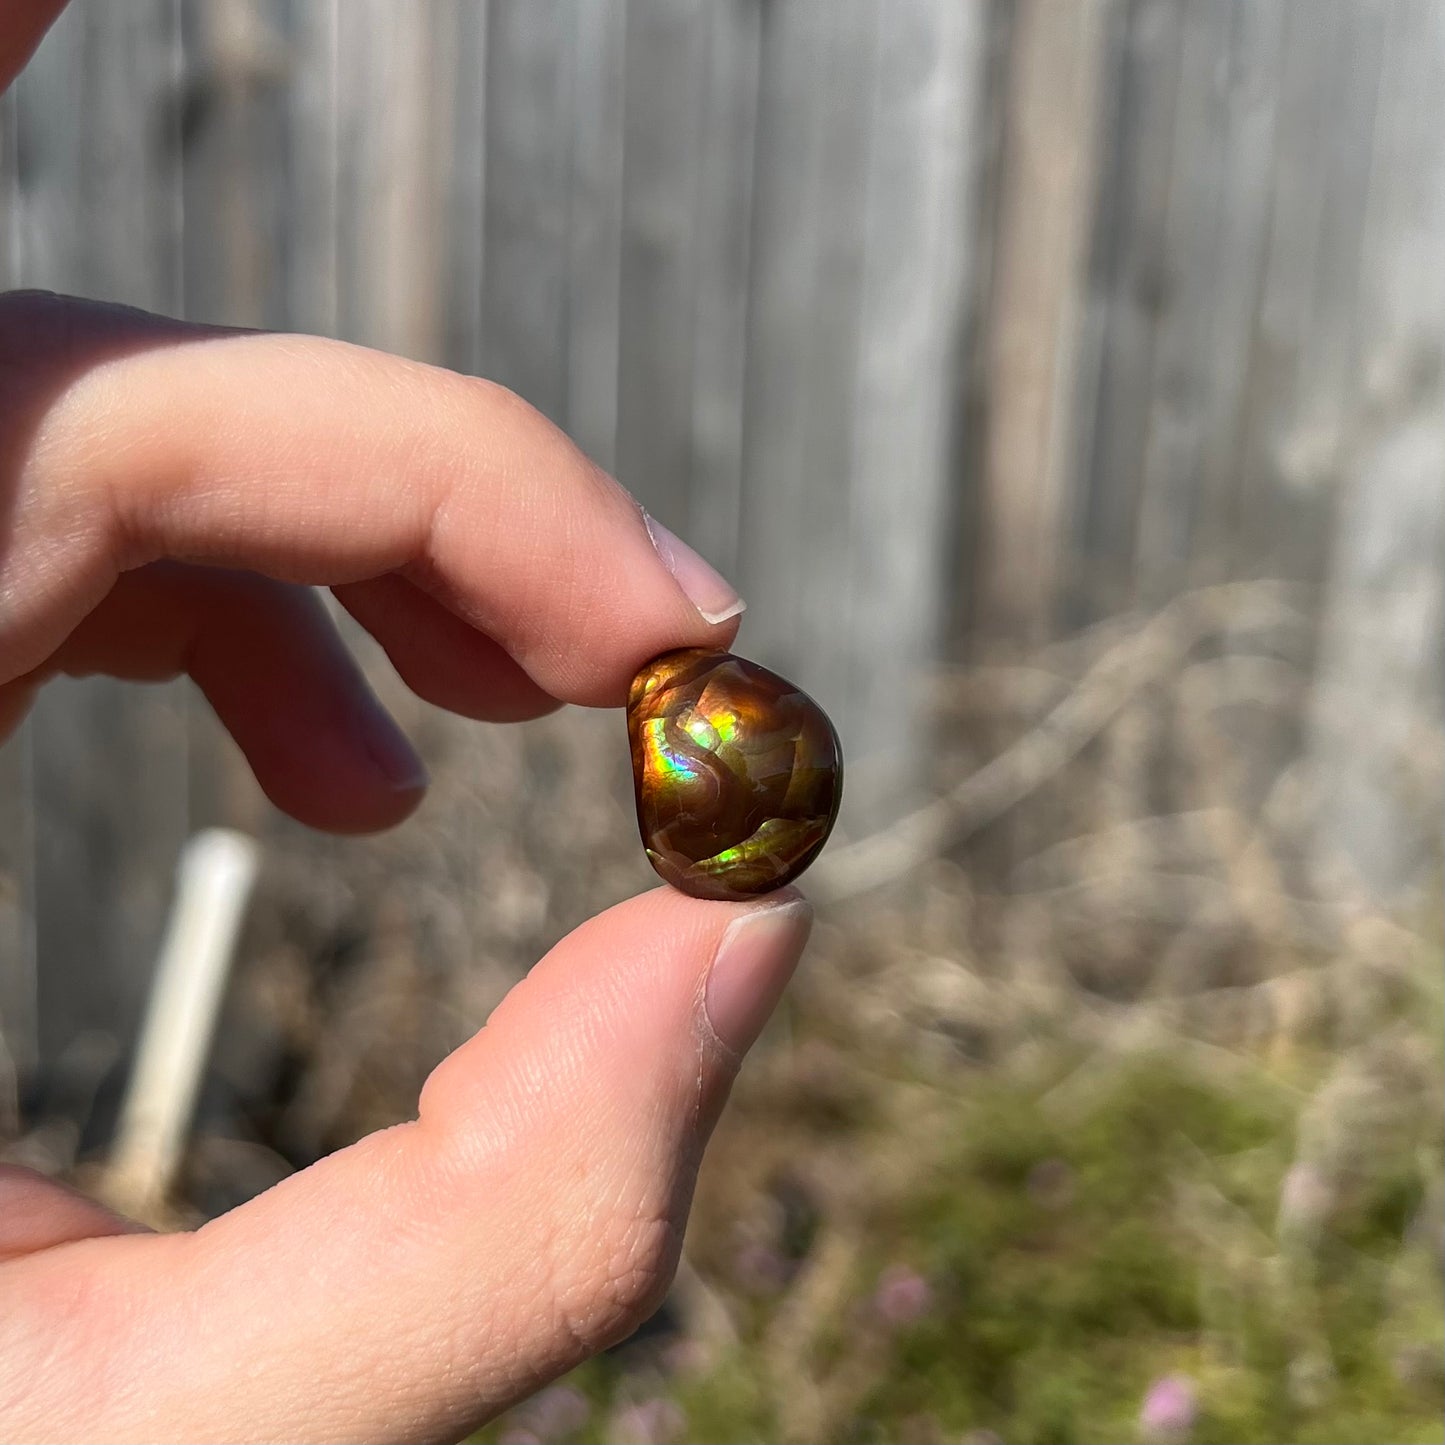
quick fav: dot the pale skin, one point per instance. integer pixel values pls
(168, 496)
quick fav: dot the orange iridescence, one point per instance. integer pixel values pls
(737, 773)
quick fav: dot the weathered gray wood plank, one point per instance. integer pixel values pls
(1402, 291)
(787, 219)
(1127, 303)
(594, 227)
(1047, 184)
(918, 226)
(724, 228)
(665, 68)
(233, 134)
(824, 595)
(390, 249)
(459, 70)
(1380, 666)
(1216, 231)
(312, 176)
(809, 256)
(1302, 359)
(528, 168)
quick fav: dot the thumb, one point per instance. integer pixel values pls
(418, 1282)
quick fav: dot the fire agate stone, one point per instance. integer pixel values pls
(738, 773)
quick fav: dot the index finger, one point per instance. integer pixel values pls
(126, 438)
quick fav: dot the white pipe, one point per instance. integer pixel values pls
(214, 879)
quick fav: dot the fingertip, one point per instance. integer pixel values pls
(393, 758)
(322, 746)
(755, 960)
(352, 774)
(716, 599)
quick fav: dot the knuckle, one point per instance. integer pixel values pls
(498, 401)
(529, 432)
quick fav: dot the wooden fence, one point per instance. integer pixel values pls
(931, 322)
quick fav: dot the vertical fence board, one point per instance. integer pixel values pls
(1216, 228)
(1040, 250)
(1127, 299)
(782, 284)
(1301, 359)
(49, 205)
(310, 265)
(665, 66)
(917, 226)
(460, 63)
(1247, 111)
(594, 237)
(724, 225)
(822, 627)
(814, 122)
(389, 263)
(528, 168)
(1402, 294)
(233, 134)
(1380, 662)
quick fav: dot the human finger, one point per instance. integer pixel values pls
(126, 439)
(441, 658)
(270, 663)
(37, 1213)
(423, 1279)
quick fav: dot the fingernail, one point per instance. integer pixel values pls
(754, 962)
(390, 750)
(707, 589)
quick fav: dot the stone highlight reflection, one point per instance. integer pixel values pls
(737, 773)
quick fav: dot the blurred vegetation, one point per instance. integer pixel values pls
(956, 1254)
(1106, 1107)
(1107, 1124)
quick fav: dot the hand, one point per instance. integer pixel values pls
(164, 491)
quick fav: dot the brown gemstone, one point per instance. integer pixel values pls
(738, 774)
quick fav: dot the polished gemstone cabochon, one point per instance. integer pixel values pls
(738, 774)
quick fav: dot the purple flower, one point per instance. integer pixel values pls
(1169, 1410)
(902, 1296)
(648, 1422)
